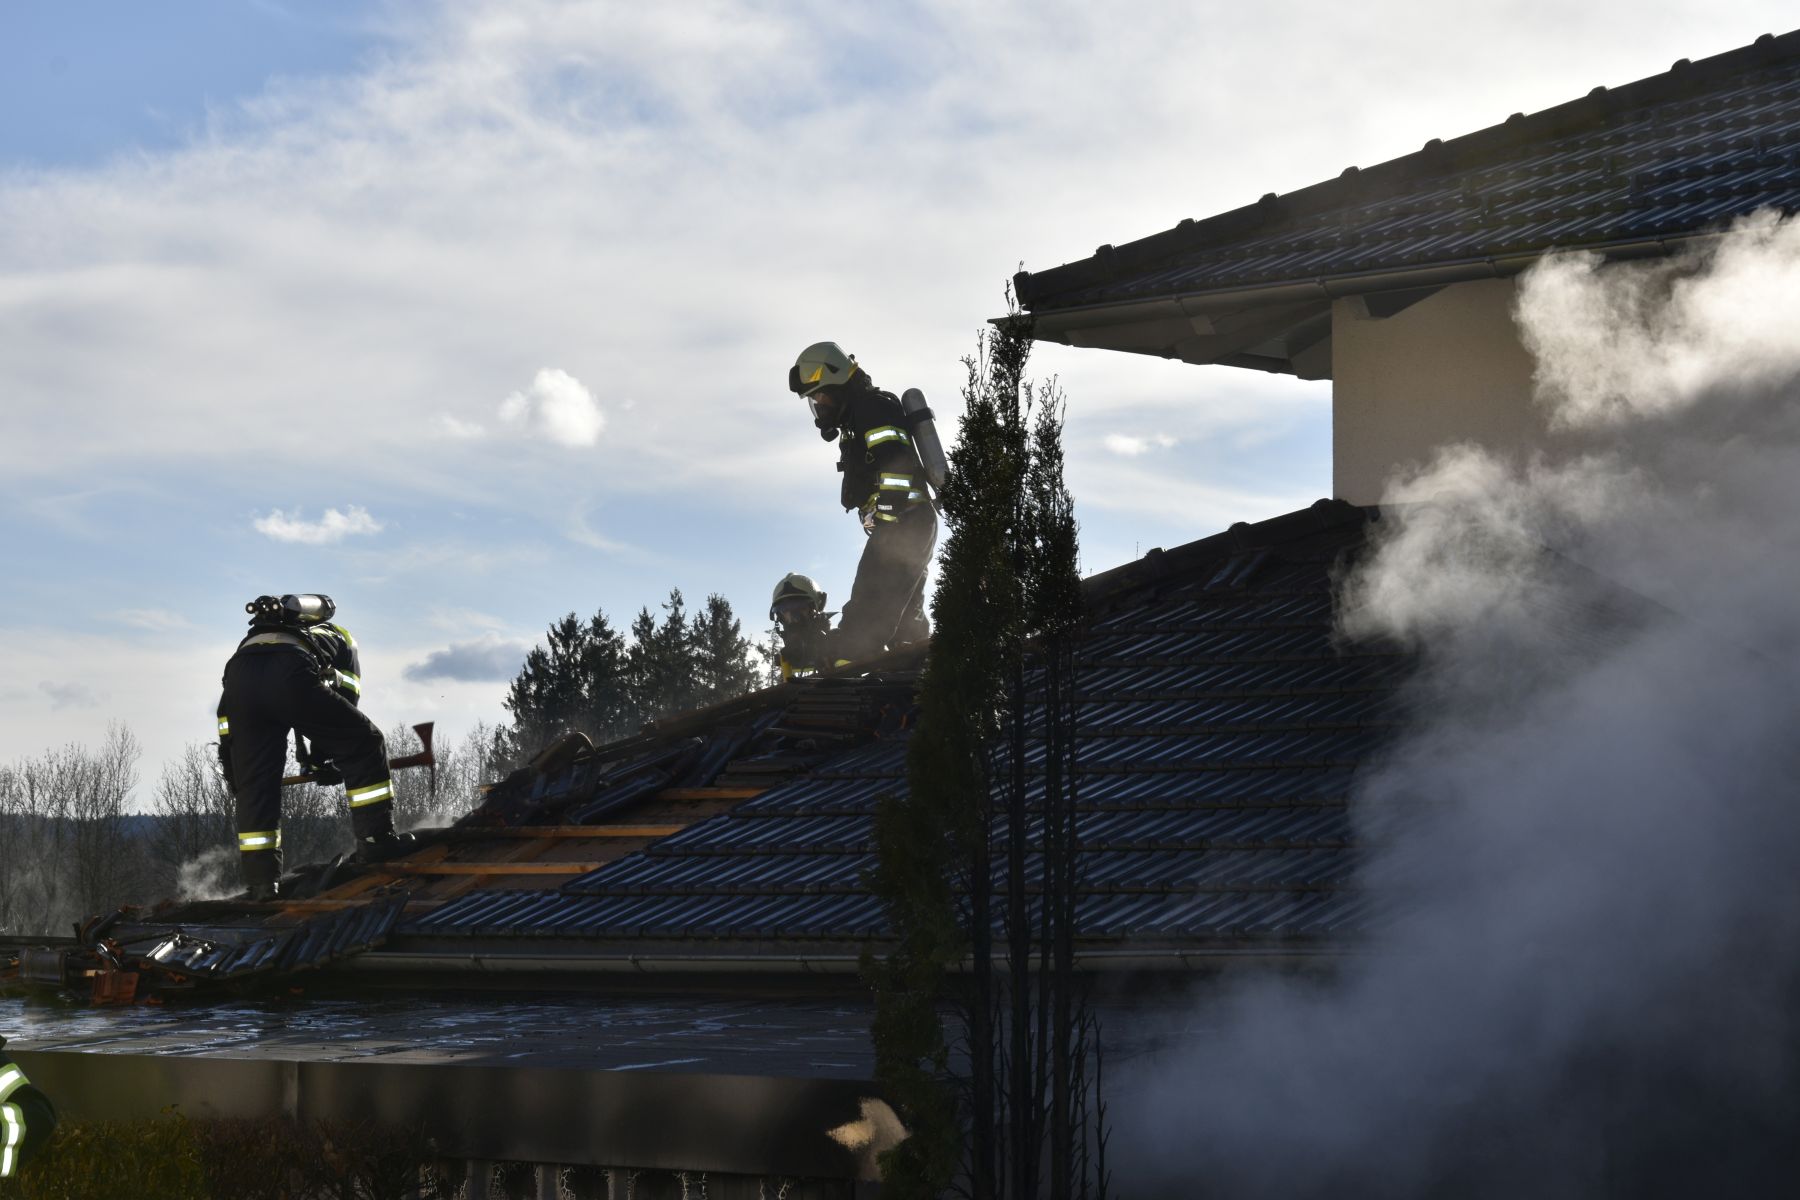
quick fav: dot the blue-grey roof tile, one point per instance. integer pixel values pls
(1222, 726)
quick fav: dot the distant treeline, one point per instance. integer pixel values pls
(589, 677)
(70, 847)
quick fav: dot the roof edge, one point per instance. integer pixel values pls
(1057, 323)
(1436, 157)
(533, 966)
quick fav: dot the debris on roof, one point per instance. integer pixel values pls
(1223, 724)
(117, 960)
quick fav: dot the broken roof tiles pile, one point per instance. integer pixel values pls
(1221, 727)
(1674, 154)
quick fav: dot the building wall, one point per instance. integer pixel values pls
(1449, 368)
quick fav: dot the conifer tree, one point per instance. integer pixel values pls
(946, 817)
(589, 677)
(723, 662)
(1006, 616)
(661, 659)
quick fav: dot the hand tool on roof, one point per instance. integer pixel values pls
(423, 758)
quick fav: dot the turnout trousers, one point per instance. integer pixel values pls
(268, 692)
(887, 601)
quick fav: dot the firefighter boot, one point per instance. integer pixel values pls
(261, 871)
(376, 840)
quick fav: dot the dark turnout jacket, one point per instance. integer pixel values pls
(26, 1116)
(331, 648)
(881, 468)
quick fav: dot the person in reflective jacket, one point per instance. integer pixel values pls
(295, 670)
(26, 1116)
(884, 483)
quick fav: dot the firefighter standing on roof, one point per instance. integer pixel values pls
(26, 1116)
(295, 670)
(885, 484)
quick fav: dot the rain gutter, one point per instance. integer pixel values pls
(389, 962)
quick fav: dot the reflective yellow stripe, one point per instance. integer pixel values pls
(346, 679)
(345, 634)
(224, 726)
(896, 483)
(13, 1121)
(372, 794)
(261, 839)
(884, 433)
(11, 1080)
(883, 516)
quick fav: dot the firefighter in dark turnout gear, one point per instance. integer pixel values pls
(26, 1116)
(884, 483)
(798, 610)
(295, 670)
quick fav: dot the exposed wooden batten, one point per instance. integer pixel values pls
(710, 793)
(559, 832)
(490, 868)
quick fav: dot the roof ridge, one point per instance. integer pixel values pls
(1241, 537)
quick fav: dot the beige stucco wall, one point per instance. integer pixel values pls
(1449, 368)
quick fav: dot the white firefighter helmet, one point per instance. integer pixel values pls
(820, 365)
(795, 589)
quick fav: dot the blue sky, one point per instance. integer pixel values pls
(471, 314)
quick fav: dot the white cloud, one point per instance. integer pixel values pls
(456, 427)
(1131, 446)
(332, 526)
(453, 619)
(70, 695)
(341, 236)
(154, 620)
(558, 407)
(489, 658)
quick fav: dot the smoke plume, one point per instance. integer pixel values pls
(211, 875)
(1584, 846)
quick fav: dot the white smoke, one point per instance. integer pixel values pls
(1614, 346)
(1584, 845)
(212, 875)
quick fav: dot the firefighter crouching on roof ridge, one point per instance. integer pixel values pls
(296, 670)
(26, 1116)
(885, 482)
(798, 610)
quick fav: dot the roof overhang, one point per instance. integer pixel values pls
(1284, 327)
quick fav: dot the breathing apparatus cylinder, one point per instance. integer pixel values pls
(309, 609)
(305, 609)
(925, 439)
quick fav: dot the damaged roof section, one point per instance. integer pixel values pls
(1626, 171)
(1222, 726)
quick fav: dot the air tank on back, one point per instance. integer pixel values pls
(308, 609)
(925, 438)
